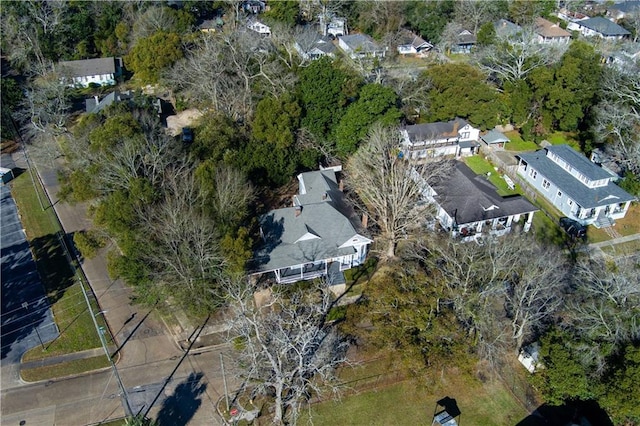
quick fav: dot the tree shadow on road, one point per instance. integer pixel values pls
(179, 408)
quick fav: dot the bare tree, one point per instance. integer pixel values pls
(513, 57)
(474, 13)
(287, 347)
(617, 116)
(182, 247)
(606, 303)
(389, 187)
(151, 20)
(513, 282)
(224, 70)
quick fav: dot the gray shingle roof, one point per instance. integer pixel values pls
(494, 136)
(431, 131)
(360, 43)
(469, 198)
(315, 232)
(579, 162)
(586, 197)
(88, 67)
(604, 26)
(506, 28)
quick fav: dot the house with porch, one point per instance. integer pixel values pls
(259, 27)
(82, 73)
(469, 206)
(361, 46)
(412, 44)
(311, 46)
(318, 236)
(455, 138)
(599, 27)
(574, 185)
(548, 32)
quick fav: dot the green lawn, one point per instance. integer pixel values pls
(407, 403)
(517, 143)
(561, 138)
(481, 166)
(64, 369)
(77, 331)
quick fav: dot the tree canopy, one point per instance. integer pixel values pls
(150, 55)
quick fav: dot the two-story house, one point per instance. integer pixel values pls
(318, 236)
(574, 185)
(82, 73)
(469, 206)
(456, 137)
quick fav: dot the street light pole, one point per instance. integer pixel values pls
(100, 331)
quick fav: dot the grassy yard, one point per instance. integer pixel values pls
(407, 403)
(628, 226)
(481, 166)
(76, 327)
(64, 369)
(516, 143)
(561, 138)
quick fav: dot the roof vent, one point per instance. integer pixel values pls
(298, 210)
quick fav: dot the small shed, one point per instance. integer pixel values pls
(529, 357)
(495, 139)
(446, 412)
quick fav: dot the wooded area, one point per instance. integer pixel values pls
(182, 217)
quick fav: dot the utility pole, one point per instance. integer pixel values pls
(100, 331)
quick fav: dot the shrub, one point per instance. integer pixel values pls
(88, 242)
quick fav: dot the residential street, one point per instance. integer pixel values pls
(148, 354)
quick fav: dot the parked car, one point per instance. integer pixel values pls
(572, 227)
(187, 135)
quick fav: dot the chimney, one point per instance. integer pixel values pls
(365, 220)
(324, 196)
(298, 210)
(456, 125)
(341, 185)
(96, 99)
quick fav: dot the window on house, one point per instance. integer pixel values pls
(545, 184)
(533, 174)
(559, 194)
(464, 135)
(570, 202)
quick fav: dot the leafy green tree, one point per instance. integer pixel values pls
(460, 90)
(116, 130)
(403, 307)
(375, 103)
(215, 135)
(486, 34)
(620, 387)
(576, 85)
(430, 17)
(11, 98)
(564, 377)
(276, 120)
(236, 248)
(150, 55)
(324, 91)
(285, 11)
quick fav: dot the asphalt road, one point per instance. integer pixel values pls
(26, 318)
(148, 353)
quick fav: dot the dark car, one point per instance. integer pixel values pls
(572, 227)
(187, 135)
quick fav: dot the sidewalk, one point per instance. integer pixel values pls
(615, 241)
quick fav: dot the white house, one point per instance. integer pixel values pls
(82, 73)
(361, 46)
(599, 27)
(318, 236)
(312, 46)
(337, 27)
(456, 137)
(574, 185)
(259, 27)
(411, 44)
(548, 32)
(469, 206)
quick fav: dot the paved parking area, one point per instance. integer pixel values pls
(26, 319)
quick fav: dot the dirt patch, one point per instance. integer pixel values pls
(186, 118)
